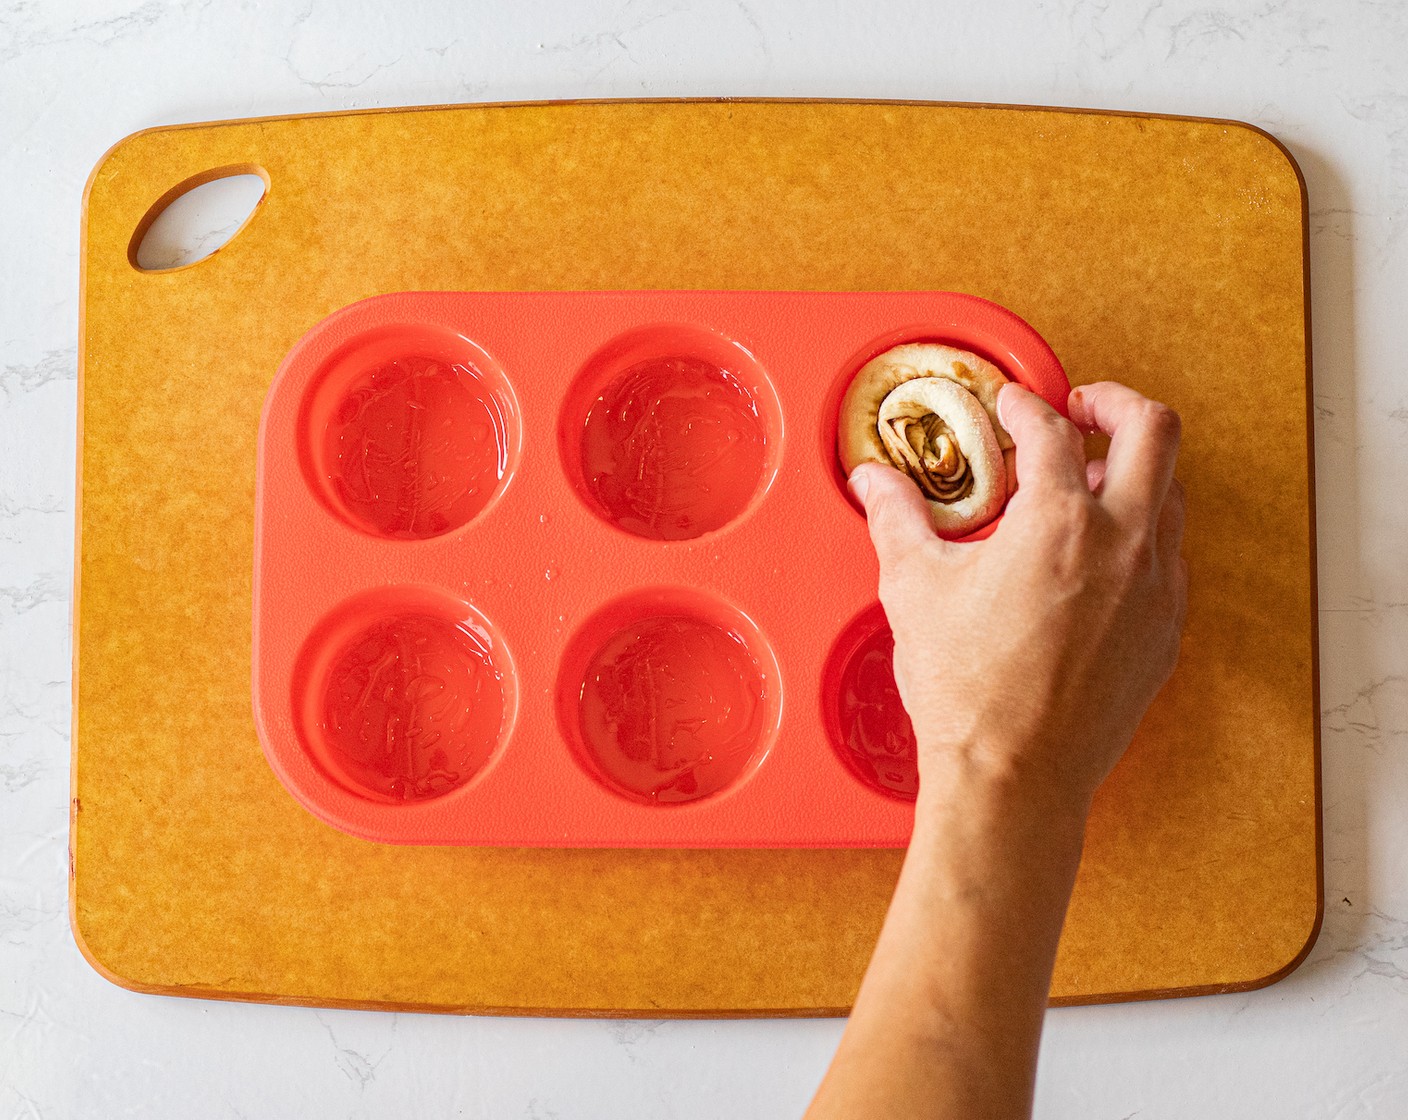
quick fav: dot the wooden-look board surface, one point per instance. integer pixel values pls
(1168, 253)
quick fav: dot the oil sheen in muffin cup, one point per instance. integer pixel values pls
(669, 696)
(671, 432)
(411, 433)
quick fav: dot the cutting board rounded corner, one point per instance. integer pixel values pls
(1278, 148)
(111, 971)
(140, 207)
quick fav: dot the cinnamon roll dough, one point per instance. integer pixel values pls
(931, 411)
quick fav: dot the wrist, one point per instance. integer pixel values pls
(1003, 786)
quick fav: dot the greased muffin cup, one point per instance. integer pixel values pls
(580, 568)
(668, 696)
(671, 431)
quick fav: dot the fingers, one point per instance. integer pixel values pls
(1095, 475)
(1171, 520)
(895, 511)
(1144, 437)
(1181, 620)
(1050, 452)
(1170, 545)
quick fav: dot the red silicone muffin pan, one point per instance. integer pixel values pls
(580, 569)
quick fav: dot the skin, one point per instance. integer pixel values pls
(1079, 599)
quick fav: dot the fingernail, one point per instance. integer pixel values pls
(859, 482)
(1001, 419)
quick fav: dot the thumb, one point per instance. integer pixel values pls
(895, 510)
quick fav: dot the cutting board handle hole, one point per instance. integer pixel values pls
(197, 217)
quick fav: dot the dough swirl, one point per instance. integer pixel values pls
(931, 411)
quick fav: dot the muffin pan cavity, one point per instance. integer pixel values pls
(671, 431)
(410, 432)
(405, 694)
(578, 569)
(669, 696)
(865, 721)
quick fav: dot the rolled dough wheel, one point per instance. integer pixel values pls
(931, 411)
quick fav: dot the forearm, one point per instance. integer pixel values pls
(1080, 596)
(949, 1016)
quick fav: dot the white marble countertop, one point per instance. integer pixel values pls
(1331, 80)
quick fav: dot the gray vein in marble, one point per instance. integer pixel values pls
(1374, 946)
(759, 34)
(10, 507)
(26, 377)
(334, 82)
(18, 918)
(99, 32)
(628, 1033)
(359, 1069)
(32, 1110)
(590, 43)
(1367, 715)
(1209, 25)
(15, 776)
(21, 598)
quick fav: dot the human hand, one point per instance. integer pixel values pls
(1033, 655)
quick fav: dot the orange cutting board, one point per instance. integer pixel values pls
(1169, 253)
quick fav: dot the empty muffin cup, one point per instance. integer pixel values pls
(410, 433)
(407, 695)
(669, 696)
(671, 431)
(865, 719)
